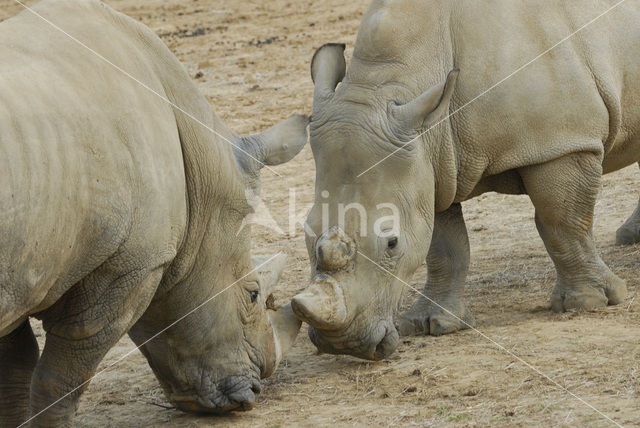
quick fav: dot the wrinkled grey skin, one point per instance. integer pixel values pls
(118, 213)
(550, 131)
(629, 232)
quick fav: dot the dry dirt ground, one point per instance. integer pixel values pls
(251, 59)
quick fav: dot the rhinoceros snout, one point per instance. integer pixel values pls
(376, 345)
(244, 397)
(235, 393)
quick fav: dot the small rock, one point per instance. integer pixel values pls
(416, 372)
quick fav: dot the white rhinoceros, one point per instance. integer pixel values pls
(550, 131)
(122, 212)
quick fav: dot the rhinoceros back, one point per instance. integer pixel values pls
(90, 163)
(538, 79)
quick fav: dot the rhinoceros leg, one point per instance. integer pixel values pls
(447, 264)
(81, 327)
(18, 358)
(564, 193)
(629, 232)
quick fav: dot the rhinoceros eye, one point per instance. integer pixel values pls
(392, 243)
(254, 295)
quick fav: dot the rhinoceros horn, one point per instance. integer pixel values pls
(322, 304)
(285, 326)
(427, 109)
(334, 250)
(269, 268)
(283, 321)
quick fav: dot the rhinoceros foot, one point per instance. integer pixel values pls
(589, 296)
(425, 317)
(628, 234)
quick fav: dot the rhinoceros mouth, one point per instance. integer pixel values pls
(234, 393)
(375, 344)
(387, 345)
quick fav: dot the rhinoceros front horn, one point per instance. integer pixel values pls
(286, 326)
(322, 304)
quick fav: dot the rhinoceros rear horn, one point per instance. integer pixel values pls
(276, 145)
(427, 109)
(327, 69)
(269, 269)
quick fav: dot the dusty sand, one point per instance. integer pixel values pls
(252, 60)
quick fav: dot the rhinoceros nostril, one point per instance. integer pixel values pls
(244, 399)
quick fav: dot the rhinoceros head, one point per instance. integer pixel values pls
(366, 232)
(225, 333)
(213, 359)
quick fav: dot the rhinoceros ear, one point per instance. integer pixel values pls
(327, 69)
(427, 109)
(276, 145)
